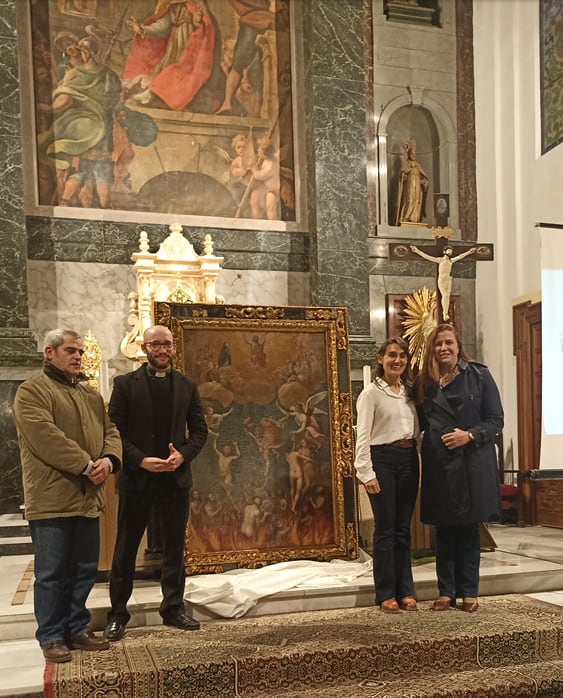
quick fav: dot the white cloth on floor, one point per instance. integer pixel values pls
(232, 594)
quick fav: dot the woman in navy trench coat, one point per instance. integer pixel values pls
(460, 413)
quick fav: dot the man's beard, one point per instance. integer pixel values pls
(153, 361)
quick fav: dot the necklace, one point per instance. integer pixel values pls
(448, 377)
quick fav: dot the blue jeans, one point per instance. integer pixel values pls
(66, 565)
(458, 553)
(397, 472)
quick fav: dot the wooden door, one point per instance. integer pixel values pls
(527, 346)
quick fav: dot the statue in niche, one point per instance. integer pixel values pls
(413, 185)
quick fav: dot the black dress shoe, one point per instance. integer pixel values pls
(114, 631)
(56, 651)
(89, 642)
(181, 620)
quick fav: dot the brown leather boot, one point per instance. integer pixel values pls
(390, 606)
(56, 651)
(89, 642)
(408, 603)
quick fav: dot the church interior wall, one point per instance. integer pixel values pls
(415, 95)
(517, 186)
(79, 271)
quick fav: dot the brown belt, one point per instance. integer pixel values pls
(403, 443)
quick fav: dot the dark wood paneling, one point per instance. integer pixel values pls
(527, 347)
(549, 502)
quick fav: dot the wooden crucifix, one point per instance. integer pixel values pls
(444, 255)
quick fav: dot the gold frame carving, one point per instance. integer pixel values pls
(275, 384)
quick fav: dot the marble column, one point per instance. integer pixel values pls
(18, 347)
(17, 344)
(338, 97)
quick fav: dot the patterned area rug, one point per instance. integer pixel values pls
(512, 647)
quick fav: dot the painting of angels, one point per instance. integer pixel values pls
(266, 479)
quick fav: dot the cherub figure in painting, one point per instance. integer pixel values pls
(241, 165)
(265, 198)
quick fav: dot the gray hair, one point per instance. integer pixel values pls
(54, 338)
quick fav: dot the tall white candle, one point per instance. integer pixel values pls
(367, 376)
(103, 381)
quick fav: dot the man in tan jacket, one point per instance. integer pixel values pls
(68, 448)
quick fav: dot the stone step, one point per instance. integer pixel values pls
(23, 694)
(13, 525)
(14, 531)
(14, 535)
(18, 545)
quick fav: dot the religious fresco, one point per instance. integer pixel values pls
(551, 54)
(168, 107)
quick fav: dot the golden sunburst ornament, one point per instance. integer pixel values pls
(419, 320)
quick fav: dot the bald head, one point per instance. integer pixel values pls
(158, 345)
(150, 333)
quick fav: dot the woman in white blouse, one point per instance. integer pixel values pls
(387, 465)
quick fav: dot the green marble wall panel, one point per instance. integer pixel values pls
(339, 256)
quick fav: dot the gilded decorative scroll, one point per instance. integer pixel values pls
(275, 480)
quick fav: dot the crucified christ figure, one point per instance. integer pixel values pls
(445, 263)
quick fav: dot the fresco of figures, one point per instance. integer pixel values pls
(164, 106)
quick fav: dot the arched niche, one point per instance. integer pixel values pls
(407, 124)
(417, 116)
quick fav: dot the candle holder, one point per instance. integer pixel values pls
(91, 360)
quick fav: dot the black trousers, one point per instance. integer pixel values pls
(458, 554)
(133, 515)
(397, 472)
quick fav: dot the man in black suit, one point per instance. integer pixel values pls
(160, 418)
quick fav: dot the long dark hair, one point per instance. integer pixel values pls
(406, 377)
(429, 376)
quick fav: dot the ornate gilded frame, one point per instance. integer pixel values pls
(275, 480)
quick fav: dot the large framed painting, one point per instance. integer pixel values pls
(142, 109)
(275, 480)
(551, 73)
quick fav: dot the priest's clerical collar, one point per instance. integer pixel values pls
(158, 374)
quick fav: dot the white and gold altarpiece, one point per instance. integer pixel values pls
(174, 274)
